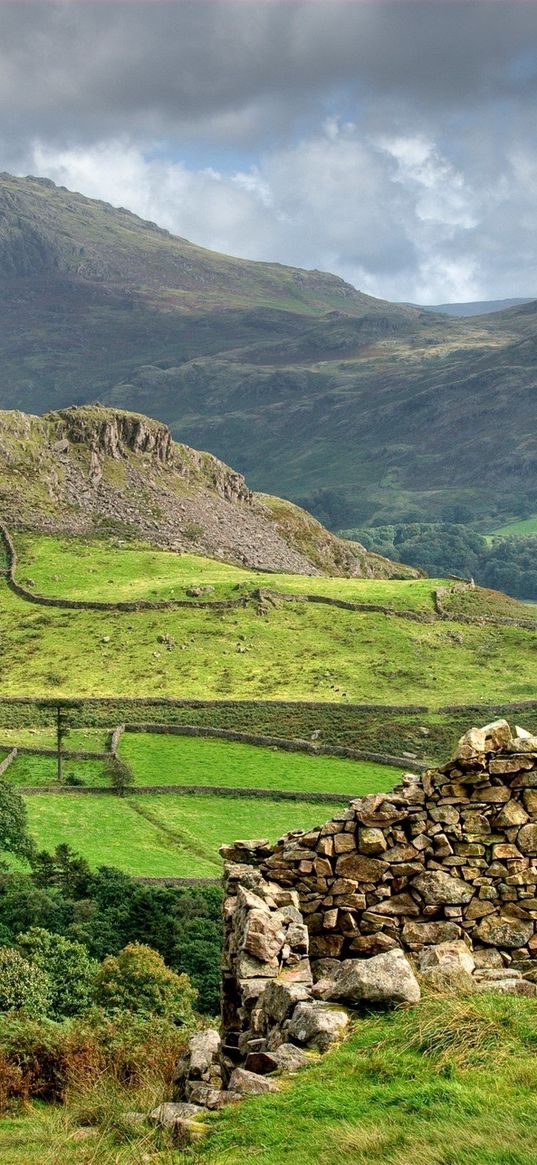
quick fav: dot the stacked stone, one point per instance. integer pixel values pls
(270, 1020)
(448, 855)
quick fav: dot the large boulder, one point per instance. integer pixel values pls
(317, 1025)
(385, 979)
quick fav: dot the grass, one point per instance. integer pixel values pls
(183, 760)
(294, 652)
(42, 770)
(76, 568)
(523, 527)
(78, 740)
(168, 835)
(451, 1082)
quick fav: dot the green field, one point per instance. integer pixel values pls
(524, 527)
(166, 835)
(78, 568)
(42, 770)
(184, 760)
(294, 651)
(78, 740)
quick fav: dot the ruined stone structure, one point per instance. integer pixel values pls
(439, 874)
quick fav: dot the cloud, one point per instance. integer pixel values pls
(391, 142)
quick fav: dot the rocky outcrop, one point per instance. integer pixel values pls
(92, 469)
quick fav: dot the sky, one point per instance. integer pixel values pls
(392, 142)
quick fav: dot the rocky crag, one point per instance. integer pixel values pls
(433, 883)
(91, 470)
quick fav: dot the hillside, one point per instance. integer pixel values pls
(297, 379)
(92, 470)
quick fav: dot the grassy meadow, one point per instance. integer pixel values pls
(166, 835)
(184, 760)
(451, 1082)
(294, 651)
(522, 528)
(178, 835)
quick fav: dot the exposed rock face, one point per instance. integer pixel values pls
(87, 469)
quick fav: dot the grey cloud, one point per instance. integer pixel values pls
(85, 70)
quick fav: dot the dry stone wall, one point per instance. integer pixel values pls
(442, 868)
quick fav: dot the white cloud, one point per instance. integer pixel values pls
(393, 214)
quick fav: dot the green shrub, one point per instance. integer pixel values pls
(70, 970)
(23, 986)
(138, 980)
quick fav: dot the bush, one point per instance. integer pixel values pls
(138, 980)
(44, 1059)
(23, 986)
(70, 970)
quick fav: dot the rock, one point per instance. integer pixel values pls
(188, 1132)
(167, 1114)
(281, 997)
(504, 931)
(317, 1025)
(211, 1098)
(360, 868)
(324, 968)
(470, 745)
(263, 935)
(204, 1049)
(527, 839)
(439, 889)
(507, 987)
(450, 954)
(385, 979)
(513, 813)
(249, 1083)
(430, 932)
(286, 1058)
(371, 841)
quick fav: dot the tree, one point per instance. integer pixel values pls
(138, 980)
(23, 987)
(14, 835)
(70, 970)
(120, 774)
(63, 868)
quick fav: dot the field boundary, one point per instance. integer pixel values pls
(259, 595)
(279, 742)
(202, 790)
(8, 760)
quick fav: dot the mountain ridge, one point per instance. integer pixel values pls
(294, 377)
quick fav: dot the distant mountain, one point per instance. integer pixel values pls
(93, 470)
(366, 410)
(474, 308)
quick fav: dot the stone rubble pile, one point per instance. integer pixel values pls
(435, 882)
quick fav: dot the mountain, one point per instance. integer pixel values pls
(474, 307)
(92, 470)
(297, 379)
